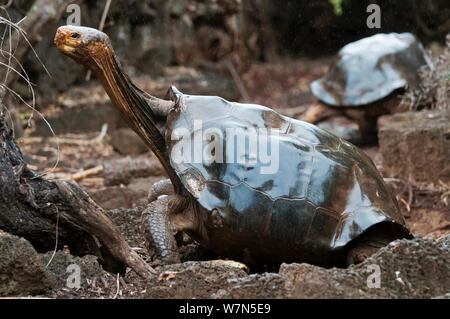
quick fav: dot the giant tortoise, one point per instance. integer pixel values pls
(312, 197)
(367, 78)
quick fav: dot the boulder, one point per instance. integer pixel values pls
(21, 272)
(80, 120)
(416, 146)
(126, 142)
(213, 279)
(417, 268)
(60, 270)
(134, 193)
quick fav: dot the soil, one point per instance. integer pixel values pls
(426, 207)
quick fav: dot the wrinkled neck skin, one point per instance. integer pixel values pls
(144, 113)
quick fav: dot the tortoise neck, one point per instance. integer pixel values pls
(134, 106)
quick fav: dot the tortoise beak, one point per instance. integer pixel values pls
(59, 37)
(60, 41)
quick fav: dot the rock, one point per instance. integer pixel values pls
(159, 32)
(209, 279)
(126, 142)
(155, 60)
(416, 145)
(80, 120)
(418, 268)
(117, 197)
(59, 267)
(123, 170)
(205, 79)
(21, 272)
(125, 196)
(344, 128)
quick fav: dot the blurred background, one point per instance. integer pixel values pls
(151, 35)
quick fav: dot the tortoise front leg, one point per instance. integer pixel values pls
(162, 187)
(162, 219)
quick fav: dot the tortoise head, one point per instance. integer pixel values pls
(85, 45)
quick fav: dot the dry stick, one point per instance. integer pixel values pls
(118, 287)
(86, 173)
(100, 27)
(74, 141)
(56, 235)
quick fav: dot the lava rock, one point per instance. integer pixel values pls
(417, 268)
(21, 272)
(80, 120)
(60, 270)
(126, 142)
(212, 279)
(428, 134)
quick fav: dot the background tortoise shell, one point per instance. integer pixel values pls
(325, 193)
(370, 69)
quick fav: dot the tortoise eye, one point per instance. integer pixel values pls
(75, 35)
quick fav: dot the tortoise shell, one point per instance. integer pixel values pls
(323, 193)
(370, 69)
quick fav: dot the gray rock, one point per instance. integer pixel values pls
(126, 142)
(21, 272)
(117, 197)
(427, 131)
(59, 267)
(211, 279)
(418, 268)
(80, 120)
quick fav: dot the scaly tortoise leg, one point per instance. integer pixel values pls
(160, 226)
(162, 187)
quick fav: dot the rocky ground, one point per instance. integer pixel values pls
(107, 159)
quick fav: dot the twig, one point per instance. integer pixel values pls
(86, 173)
(410, 193)
(408, 208)
(74, 141)
(118, 286)
(56, 235)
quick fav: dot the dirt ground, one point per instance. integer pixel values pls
(84, 157)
